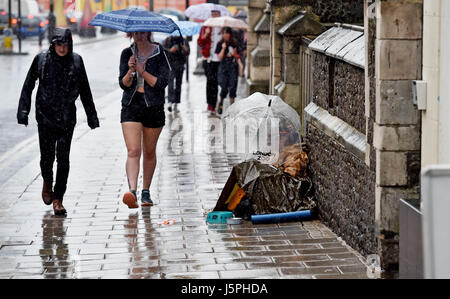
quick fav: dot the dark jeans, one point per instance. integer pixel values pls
(55, 142)
(175, 81)
(228, 79)
(212, 84)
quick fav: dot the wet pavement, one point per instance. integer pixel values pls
(101, 238)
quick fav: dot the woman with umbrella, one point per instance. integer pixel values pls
(227, 51)
(144, 75)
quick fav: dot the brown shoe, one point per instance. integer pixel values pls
(129, 198)
(47, 194)
(58, 208)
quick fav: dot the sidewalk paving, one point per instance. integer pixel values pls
(102, 238)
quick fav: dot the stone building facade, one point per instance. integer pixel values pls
(361, 126)
(396, 134)
(258, 47)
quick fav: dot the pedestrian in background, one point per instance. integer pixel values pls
(178, 52)
(241, 37)
(144, 75)
(62, 78)
(227, 51)
(207, 41)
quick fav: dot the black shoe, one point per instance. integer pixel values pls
(170, 108)
(220, 110)
(145, 198)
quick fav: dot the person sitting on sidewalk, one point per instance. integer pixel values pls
(178, 51)
(62, 78)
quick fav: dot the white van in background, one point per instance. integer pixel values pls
(27, 7)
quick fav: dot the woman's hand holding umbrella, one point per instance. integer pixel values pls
(174, 49)
(132, 64)
(149, 78)
(140, 67)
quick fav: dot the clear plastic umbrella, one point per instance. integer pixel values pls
(225, 22)
(261, 127)
(203, 11)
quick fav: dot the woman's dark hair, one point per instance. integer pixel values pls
(228, 30)
(149, 36)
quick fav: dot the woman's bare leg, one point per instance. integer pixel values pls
(132, 133)
(150, 141)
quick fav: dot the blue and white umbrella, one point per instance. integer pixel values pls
(188, 28)
(135, 20)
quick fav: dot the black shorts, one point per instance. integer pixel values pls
(137, 111)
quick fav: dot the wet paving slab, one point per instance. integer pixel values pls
(101, 238)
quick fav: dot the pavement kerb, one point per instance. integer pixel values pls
(78, 43)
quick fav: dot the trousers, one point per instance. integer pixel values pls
(212, 83)
(55, 142)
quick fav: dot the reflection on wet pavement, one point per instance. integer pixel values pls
(102, 238)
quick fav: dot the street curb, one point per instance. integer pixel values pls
(79, 43)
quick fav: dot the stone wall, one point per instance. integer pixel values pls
(337, 136)
(348, 101)
(346, 11)
(330, 11)
(320, 80)
(345, 190)
(396, 138)
(326, 11)
(344, 183)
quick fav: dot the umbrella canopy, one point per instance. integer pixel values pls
(188, 28)
(203, 11)
(266, 126)
(134, 20)
(225, 22)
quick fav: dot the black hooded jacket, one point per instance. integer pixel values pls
(61, 81)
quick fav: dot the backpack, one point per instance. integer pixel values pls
(42, 60)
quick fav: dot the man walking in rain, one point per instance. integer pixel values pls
(62, 78)
(207, 41)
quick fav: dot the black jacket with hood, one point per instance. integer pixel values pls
(157, 65)
(61, 81)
